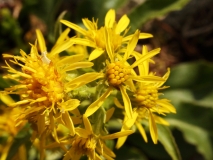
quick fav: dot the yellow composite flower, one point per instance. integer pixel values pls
(119, 74)
(8, 128)
(86, 142)
(147, 104)
(41, 86)
(94, 36)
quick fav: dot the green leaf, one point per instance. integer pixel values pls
(153, 9)
(167, 140)
(195, 75)
(196, 136)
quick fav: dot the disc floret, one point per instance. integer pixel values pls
(117, 73)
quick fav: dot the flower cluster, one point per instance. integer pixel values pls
(68, 98)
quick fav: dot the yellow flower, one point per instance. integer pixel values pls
(94, 36)
(41, 86)
(9, 129)
(120, 74)
(147, 104)
(86, 142)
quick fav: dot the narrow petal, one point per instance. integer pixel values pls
(131, 45)
(108, 46)
(127, 103)
(117, 134)
(153, 128)
(110, 18)
(120, 142)
(62, 36)
(165, 104)
(142, 131)
(109, 114)
(61, 47)
(77, 65)
(70, 105)
(68, 122)
(96, 105)
(159, 84)
(41, 41)
(88, 24)
(74, 26)
(87, 124)
(147, 56)
(118, 104)
(141, 36)
(84, 42)
(41, 124)
(160, 120)
(6, 99)
(70, 59)
(82, 80)
(95, 54)
(147, 78)
(122, 24)
(82, 132)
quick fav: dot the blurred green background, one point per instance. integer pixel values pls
(184, 31)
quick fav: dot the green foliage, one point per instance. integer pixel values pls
(153, 9)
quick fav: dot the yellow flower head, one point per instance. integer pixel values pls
(94, 36)
(86, 142)
(41, 86)
(146, 102)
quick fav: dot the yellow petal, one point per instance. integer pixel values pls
(61, 47)
(120, 142)
(117, 134)
(84, 42)
(71, 104)
(165, 104)
(145, 57)
(76, 120)
(74, 26)
(41, 124)
(77, 65)
(127, 103)
(68, 122)
(82, 132)
(109, 49)
(6, 99)
(62, 36)
(141, 36)
(109, 114)
(88, 24)
(122, 24)
(131, 45)
(153, 128)
(87, 124)
(142, 131)
(110, 18)
(164, 77)
(41, 41)
(147, 78)
(82, 80)
(96, 105)
(95, 54)
(118, 104)
(160, 120)
(70, 59)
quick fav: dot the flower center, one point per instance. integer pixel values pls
(117, 73)
(84, 146)
(45, 82)
(146, 96)
(115, 39)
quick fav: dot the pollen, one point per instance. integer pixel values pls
(117, 73)
(147, 96)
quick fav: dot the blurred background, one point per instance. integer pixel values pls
(183, 29)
